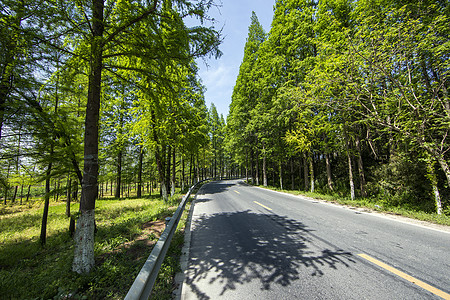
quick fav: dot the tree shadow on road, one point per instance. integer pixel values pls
(209, 189)
(269, 248)
(217, 187)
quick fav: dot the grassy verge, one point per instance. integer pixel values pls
(373, 204)
(165, 285)
(127, 231)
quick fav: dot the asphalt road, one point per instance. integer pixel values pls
(250, 243)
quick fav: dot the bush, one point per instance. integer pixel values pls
(402, 182)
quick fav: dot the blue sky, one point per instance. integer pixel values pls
(220, 77)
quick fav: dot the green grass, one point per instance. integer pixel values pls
(374, 204)
(122, 244)
(164, 285)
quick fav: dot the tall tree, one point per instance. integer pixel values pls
(104, 42)
(241, 139)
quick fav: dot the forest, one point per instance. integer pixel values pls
(348, 98)
(100, 97)
(102, 100)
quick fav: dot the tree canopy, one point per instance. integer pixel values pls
(114, 77)
(343, 87)
(343, 97)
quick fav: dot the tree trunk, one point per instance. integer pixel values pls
(21, 194)
(264, 166)
(305, 172)
(83, 260)
(197, 170)
(444, 166)
(252, 166)
(214, 173)
(191, 175)
(350, 170)
(311, 172)
(43, 237)
(433, 180)
(75, 192)
(161, 172)
(257, 168)
(300, 171)
(119, 174)
(139, 187)
(246, 166)
(329, 179)
(172, 183)
(168, 161)
(292, 174)
(17, 165)
(281, 175)
(57, 190)
(182, 173)
(362, 179)
(6, 195)
(203, 165)
(28, 193)
(6, 184)
(222, 165)
(69, 195)
(16, 188)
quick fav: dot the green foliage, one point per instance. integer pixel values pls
(354, 93)
(403, 182)
(241, 131)
(68, 67)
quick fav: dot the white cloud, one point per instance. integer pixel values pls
(219, 81)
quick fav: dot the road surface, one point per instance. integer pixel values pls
(251, 243)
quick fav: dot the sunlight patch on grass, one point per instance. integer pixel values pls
(29, 271)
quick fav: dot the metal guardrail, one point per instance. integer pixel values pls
(143, 284)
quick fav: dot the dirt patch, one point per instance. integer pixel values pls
(155, 227)
(142, 245)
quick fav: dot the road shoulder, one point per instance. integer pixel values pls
(180, 277)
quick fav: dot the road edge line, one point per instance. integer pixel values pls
(180, 277)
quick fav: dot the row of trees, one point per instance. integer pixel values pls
(96, 92)
(348, 97)
(338, 95)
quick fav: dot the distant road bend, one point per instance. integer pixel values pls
(251, 243)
